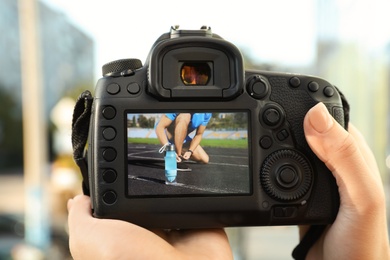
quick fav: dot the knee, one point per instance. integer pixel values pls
(184, 118)
(205, 159)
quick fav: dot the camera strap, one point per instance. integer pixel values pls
(80, 130)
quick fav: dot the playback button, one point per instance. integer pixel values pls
(109, 112)
(109, 175)
(109, 154)
(266, 142)
(109, 197)
(109, 133)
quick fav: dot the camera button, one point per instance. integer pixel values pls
(313, 86)
(285, 212)
(287, 177)
(113, 89)
(133, 88)
(271, 116)
(258, 87)
(109, 176)
(295, 82)
(109, 154)
(109, 133)
(109, 112)
(109, 197)
(329, 91)
(283, 135)
(266, 142)
(279, 212)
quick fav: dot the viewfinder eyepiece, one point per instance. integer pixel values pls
(195, 73)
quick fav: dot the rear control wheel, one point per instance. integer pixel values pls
(286, 175)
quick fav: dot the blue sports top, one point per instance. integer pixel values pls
(197, 119)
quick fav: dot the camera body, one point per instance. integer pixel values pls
(260, 171)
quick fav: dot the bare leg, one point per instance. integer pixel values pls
(181, 128)
(200, 155)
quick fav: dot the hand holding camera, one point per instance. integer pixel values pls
(362, 213)
(242, 131)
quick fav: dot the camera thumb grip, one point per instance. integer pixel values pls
(319, 118)
(328, 140)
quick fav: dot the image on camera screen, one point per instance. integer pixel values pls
(192, 153)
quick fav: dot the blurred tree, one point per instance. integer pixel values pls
(251, 63)
(241, 120)
(145, 122)
(75, 91)
(11, 132)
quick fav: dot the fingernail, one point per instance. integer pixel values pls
(319, 118)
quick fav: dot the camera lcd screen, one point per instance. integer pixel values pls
(191, 153)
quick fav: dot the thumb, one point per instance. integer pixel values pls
(340, 152)
(79, 205)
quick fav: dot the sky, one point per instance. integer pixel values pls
(282, 32)
(365, 21)
(268, 30)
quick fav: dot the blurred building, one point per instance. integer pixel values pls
(67, 60)
(67, 53)
(348, 57)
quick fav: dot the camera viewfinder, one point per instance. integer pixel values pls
(195, 73)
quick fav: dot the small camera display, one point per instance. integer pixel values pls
(218, 165)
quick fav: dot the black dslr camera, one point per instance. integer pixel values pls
(240, 157)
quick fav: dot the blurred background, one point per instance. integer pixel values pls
(52, 50)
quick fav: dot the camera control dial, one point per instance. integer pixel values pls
(272, 116)
(258, 87)
(121, 68)
(286, 175)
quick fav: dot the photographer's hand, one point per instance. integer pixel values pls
(92, 238)
(360, 228)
